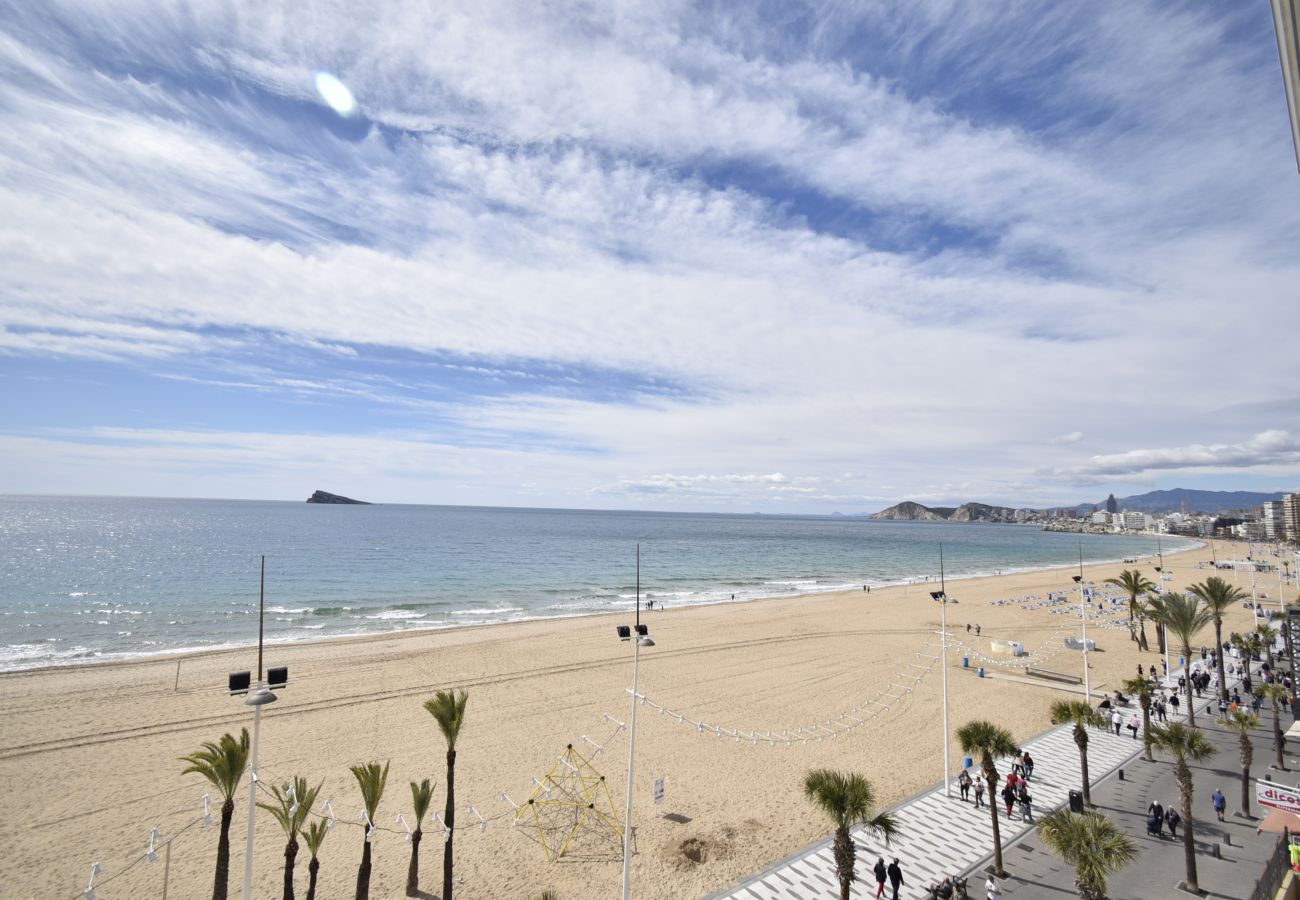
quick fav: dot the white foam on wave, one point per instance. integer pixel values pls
(393, 614)
(289, 609)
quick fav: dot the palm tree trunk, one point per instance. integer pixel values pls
(843, 852)
(991, 776)
(1187, 684)
(1081, 739)
(1146, 726)
(1218, 646)
(1132, 615)
(1189, 840)
(1245, 789)
(290, 856)
(363, 874)
(413, 870)
(1160, 638)
(223, 852)
(312, 868)
(1277, 735)
(449, 821)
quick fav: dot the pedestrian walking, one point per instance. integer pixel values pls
(1220, 804)
(977, 629)
(1133, 725)
(1155, 819)
(1029, 765)
(963, 784)
(880, 873)
(895, 877)
(1173, 820)
(1173, 703)
(979, 793)
(991, 889)
(1116, 721)
(1026, 805)
(1009, 798)
(968, 627)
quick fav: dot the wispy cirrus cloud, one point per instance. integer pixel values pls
(873, 240)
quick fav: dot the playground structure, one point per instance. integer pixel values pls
(572, 800)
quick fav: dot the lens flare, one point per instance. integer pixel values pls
(335, 93)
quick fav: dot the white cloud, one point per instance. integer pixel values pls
(1268, 448)
(556, 200)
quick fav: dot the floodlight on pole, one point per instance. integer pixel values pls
(260, 697)
(1083, 614)
(643, 639)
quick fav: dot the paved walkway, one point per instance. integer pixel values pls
(943, 836)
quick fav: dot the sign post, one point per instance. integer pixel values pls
(659, 792)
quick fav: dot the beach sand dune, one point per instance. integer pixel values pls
(88, 756)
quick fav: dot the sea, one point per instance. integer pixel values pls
(90, 579)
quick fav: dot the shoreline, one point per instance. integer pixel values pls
(182, 654)
(114, 732)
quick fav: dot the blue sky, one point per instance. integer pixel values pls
(774, 256)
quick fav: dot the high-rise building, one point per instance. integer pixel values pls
(1274, 521)
(1112, 505)
(1291, 516)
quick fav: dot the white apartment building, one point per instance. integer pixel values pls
(1274, 521)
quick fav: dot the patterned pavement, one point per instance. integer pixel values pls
(945, 836)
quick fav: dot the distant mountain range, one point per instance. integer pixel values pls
(1207, 502)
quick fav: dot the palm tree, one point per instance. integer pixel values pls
(313, 837)
(421, 794)
(989, 741)
(371, 779)
(1243, 723)
(1184, 617)
(1267, 635)
(448, 710)
(1275, 694)
(1141, 688)
(1185, 744)
(1135, 584)
(291, 811)
(1151, 609)
(1092, 844)
(1218, 597)
(849, 800)
(223, 764)
(1081, 715)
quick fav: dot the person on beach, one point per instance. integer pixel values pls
(968, 627)
(977, 630)
(963, 784)
(879, 871)
(979, 793)
(1220, 804)
(895, 877)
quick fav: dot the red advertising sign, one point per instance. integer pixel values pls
(1277, 796)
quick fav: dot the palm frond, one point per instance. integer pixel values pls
(221, 763)
(371, 779)
(448, 710)
(421, 795)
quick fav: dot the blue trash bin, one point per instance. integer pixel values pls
(967, 762)
(981, 672)
(965, 662)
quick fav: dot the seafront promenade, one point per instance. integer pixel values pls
(941, 835)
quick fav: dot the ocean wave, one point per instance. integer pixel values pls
(288, 609)
(397, 614)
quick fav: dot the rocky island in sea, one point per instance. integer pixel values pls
(326, 497)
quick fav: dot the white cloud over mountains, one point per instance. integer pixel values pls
(804, 246)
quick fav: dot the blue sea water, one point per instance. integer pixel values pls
(84, 579)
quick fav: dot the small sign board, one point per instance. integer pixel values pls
(1277, 796)
(659, 791)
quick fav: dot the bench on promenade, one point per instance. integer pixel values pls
(1053, 676)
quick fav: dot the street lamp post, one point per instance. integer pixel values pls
(642, 639)
(1083, 615)
(942, 596)
(239, 683)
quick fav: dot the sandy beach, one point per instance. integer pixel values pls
(88, 756)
